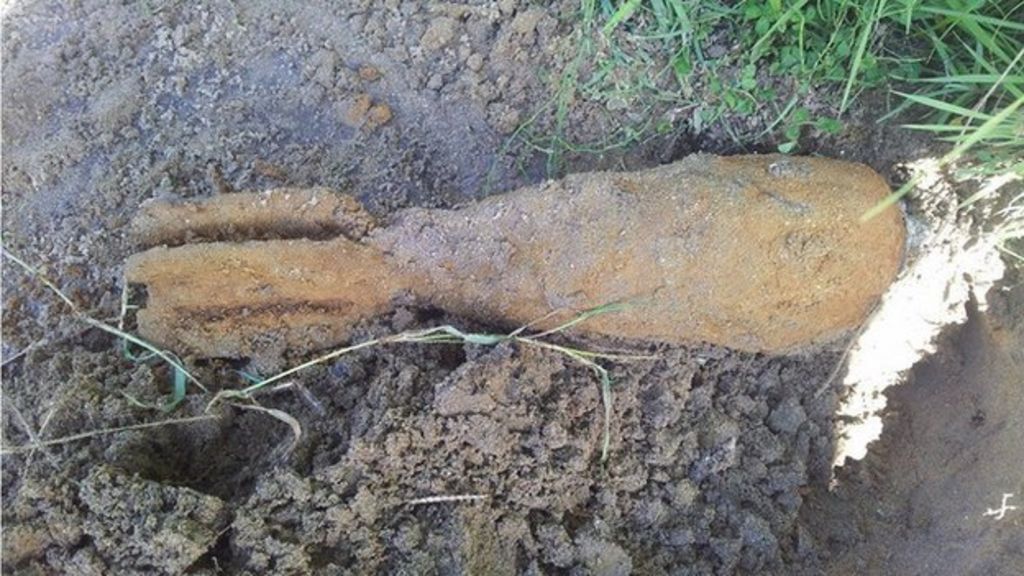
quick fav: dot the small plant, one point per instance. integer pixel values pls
(798, 120)
(181, 377)
(784, 66)
(448, 334)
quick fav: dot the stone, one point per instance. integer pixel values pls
(369, 74)
(363, 113)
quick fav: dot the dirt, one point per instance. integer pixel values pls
(761, 267)
(710, 451)
(927, 498)
(522, 429)
(715, 452)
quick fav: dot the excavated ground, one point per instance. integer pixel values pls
(715, 452)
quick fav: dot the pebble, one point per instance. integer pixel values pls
(369, 74)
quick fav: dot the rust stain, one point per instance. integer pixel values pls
(773, 265)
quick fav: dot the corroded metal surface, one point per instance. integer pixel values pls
(762, 253)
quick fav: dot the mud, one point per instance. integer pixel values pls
(715, 451)
(753, 253)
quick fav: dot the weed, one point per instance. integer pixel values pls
(179, 374)
(789, 67)
(448, 334)
(991, 133)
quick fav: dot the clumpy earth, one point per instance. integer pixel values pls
(521, 429)
(421, 458)
(710, 452)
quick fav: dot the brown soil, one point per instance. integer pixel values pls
(714, 450)
(754, 253)
(926, 499)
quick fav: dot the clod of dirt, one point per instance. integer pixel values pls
(369, 74)
(119, 523)
(787, 417)
(183, 522)
(363, 113)
(439, 33)
(757, 253)
(272, 171)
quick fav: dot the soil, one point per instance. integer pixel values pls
(427, 458)
(926, 499)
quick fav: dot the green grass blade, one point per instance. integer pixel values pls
(936, 128)
(862, 46)
(249, 390)
(977, 18)
(991, 188)
(43, 279)
(622, 14)
(944, 106)
(177, 395)
(983, 132)
(985, 79)
(890, 200)
(606, 400)
(582, 317)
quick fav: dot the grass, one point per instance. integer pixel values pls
(448, 334)
(37, 444)
(770, 73)
(180, 375)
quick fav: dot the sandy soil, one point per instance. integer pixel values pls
(715, 453)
